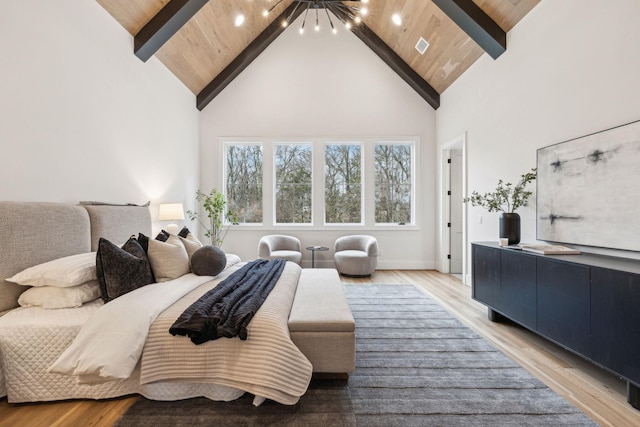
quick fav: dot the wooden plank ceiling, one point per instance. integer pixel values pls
(206, 46)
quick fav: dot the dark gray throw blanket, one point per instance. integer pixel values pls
(227, 309)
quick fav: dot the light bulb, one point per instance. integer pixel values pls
(239, 20)
(365, 1)
(348, 25)
(364, 11)
(301, 30)
(317, 27)
(284, 24)
(358, 20)
(265, 13)
(396, 19)
(335, 31)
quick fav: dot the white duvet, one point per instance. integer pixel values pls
(109, 345)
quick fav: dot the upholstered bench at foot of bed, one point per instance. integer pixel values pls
(321, 323)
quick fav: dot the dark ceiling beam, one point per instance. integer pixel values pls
(477, 24)
(247, 56)
(397, 64)
(163, 26)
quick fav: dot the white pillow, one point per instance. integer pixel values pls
(191, 244)
(64, 272)
(52, 297)
(169, 260)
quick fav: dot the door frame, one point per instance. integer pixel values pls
(458, 143)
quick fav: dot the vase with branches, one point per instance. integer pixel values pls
(506, 199)
(213, 216)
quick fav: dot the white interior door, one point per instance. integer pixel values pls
(455, 212)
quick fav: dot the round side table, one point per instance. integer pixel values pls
(313, 250)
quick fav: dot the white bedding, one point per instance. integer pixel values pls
(51, 331)
(32, 339)
(110, 343)
(267, 364)
(3, 387)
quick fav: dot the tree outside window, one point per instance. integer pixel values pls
(244, 181)
(343, 184)
(393, 182)
(293, 183)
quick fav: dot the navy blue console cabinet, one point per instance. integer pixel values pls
(588, 304)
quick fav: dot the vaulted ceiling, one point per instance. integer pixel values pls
(198, 40)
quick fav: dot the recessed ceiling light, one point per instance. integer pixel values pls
(397, 19)
(239, 20)
(422, 46)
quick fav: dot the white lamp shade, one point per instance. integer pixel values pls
(171, 212)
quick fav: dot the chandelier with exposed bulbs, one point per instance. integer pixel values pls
(347, 14)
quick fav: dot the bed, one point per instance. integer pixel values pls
(42, 353)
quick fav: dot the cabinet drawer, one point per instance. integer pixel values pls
(486, 274)
(517, 296)
(615, 321)
(563, 298)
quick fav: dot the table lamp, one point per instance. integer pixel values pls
(171, 212)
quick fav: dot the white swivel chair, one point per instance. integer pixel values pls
(280, 246)
(356, 255)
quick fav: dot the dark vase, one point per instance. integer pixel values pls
(510, 227)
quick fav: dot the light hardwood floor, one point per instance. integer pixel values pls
(599, 394)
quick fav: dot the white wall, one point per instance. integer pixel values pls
(325, 85)
(571, 68)
(82, 117)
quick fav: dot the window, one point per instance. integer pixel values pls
(343, 183)
(244, 181)
(279, 183)
(393, 183)
(293, 183)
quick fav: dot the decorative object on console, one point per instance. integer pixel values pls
(588, 192)
(543, 249)
(347, 14)
(219, 218)
(209, 260)
(509, 227)
(506, 199)
(171, 212)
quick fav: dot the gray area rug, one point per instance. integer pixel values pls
(416, 365)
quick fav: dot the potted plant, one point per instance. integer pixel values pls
(506, 198)
(215, 226)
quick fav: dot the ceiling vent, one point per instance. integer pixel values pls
(422, 46)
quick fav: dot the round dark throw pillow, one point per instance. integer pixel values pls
(208, 261)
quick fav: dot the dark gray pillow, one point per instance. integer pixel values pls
(121, 270)
(184, 232)
(208, 261)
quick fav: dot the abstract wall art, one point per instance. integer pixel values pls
(588, 190)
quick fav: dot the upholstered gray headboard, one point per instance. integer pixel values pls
(33, 233)
(117, 223)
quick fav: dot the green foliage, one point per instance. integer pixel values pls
(393, 183)
(214, 205)
(506, 197)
